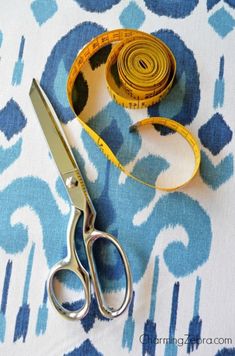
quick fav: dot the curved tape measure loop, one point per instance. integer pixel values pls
(146, 69)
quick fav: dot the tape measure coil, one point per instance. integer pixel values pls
(146, 69)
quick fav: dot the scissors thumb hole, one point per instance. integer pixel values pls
(69, 291)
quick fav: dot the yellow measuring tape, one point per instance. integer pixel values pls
(143, 70)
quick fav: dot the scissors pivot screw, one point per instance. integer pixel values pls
(71, 182)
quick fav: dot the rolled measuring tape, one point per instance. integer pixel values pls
(140, 71)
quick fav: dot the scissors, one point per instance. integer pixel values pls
(80, 204)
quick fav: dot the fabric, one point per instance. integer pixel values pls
(181, 244)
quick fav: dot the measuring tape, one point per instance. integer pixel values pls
(140, 71)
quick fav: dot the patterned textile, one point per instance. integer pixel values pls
(181, 244)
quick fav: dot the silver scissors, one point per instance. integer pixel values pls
(81, 203)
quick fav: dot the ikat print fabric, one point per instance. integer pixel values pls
(180, 244)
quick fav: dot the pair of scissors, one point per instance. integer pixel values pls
(80, 204)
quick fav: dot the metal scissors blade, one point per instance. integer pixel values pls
(59, 147)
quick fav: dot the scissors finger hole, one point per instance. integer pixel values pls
(109, 268)
(68, 290)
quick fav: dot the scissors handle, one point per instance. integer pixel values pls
(105, 310)
(73, 264)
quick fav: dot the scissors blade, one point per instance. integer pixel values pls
(59, 146)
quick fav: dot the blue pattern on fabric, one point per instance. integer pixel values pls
(59, 85)
(215, 176)
(168, 212)
(43, 10)
(19, 65)
(222, 22)
(154, 289)
(226, 352)
(65, 51)
(22, 318)
(194, 333)
(231, 3)
(9, 155)
(98, 5)
(172, 8)
(129, 327)
(174, 308)
(6, 286)
(5, 290)
(171, 347)
(197, 296)
(182, 260)
(150, 332)
(1, 38)
(42, 315)
(35, 193)
(221, 68)
(22, 322)
(215, 134)
(173, 103)
(219, 86)
(148, 344)
(112, 124)
(211, 4)
(89, 320)
(86, 348)
(12, 119)
(195, 325)
(182, 103)
(132, 16)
